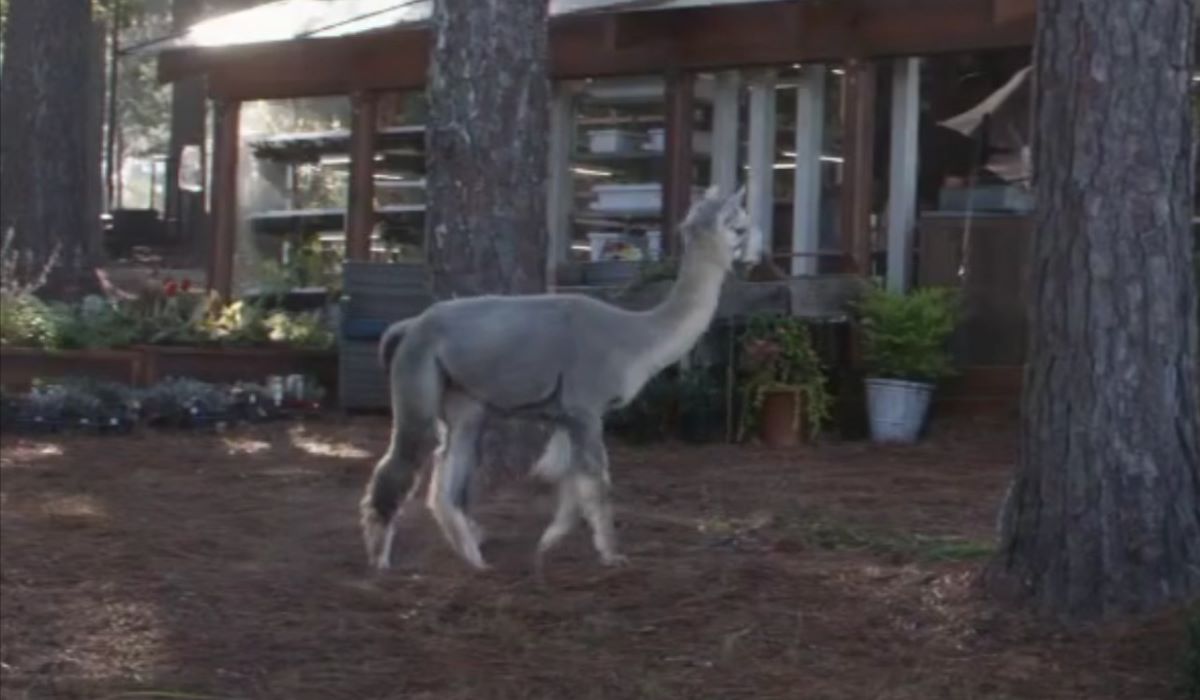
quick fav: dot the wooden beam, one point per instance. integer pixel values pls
(726, 99)
(902, 177)
(560, 184)
(760, 196)
(806, 190)
(227, 124)
(360, 214)
(596, 45)
(858, 131)
(677, 186)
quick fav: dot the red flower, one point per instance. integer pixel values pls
(170, 288)
(185, 285)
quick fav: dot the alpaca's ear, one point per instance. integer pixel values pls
(735, 200)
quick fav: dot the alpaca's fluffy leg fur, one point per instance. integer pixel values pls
(451, 474)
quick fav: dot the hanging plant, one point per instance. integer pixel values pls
(777, 355)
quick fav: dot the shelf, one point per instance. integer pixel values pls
(302, 221)
(300, 147)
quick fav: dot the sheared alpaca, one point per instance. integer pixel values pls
(565, 358)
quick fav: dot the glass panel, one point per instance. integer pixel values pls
(399, 173)
(978, 164)
(618, 167)
(293, 183)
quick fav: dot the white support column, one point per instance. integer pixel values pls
(902, 180)
(725, 133)
(560, 184)
(760, 196)
(806, 194)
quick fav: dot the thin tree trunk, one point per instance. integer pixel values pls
(489, 102)
(1103, 517)
(184, 210)
(44, 134)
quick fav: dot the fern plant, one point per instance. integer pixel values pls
(906, 334)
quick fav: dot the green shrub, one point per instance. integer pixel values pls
(94, 323)
(27, 321)
(648, 417)
(1191, 663)
(700, 401)
(906, 334)
(299, 330)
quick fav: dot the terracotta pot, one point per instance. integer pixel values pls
(781, 427)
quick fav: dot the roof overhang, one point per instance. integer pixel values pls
(626, 37)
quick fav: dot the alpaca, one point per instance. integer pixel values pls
(565, 358)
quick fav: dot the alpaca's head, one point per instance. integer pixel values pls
(719, 226)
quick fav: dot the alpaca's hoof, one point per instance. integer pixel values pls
(615, 560)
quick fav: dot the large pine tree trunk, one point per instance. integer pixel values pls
(487, 140)
(44, 134)
(1104, 514)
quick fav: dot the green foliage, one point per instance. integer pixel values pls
(93, 323)
(300, 330)
(777, 354)
(310, 266)
(27, 321)
(701, 405)
(906, 334)
(648, 417)
(155, 319)
(1191, 661)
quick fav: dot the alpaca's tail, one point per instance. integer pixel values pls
(390, 339)
(416, 384)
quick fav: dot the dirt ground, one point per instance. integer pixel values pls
(187, 566)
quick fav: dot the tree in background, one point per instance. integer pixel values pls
(46, 150)
(488, 94)
(1103, 517)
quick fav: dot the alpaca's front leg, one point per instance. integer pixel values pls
(593, 490)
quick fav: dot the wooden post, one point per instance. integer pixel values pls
(760, 195)
(360, 214)
(806, 193)
(902, 179)
(859, 132)
(677, 186)
(225, 199)
(725, 133)
(560, 187)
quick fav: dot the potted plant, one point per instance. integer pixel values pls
(784, 393)
(905, 353)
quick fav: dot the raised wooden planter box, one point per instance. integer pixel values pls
(20, 366)
(149, 364)
(226, 365)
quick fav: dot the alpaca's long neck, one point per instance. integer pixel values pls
(685, 314)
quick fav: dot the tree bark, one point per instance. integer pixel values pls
(489, 97)
(486, 154)
(44, 133)
(1103, 517)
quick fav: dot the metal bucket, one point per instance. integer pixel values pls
(897, 409)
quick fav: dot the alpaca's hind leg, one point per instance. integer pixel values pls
(394, 482)
(451, 475)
